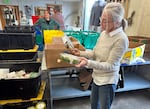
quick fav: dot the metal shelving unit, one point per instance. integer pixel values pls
(69, 87)
(63, 88)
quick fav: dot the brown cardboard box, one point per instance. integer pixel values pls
(141, 39)
(57, 40)
(85, 78)
(75, 42)
(52, 52)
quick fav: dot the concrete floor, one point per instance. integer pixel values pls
(139, 99)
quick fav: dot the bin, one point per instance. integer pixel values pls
(76, 34)
(17, 41)
(86, 38)
(19, 55)
(19, 29)
(90, 39)
(24, 105)
(20, 88)
(49, 34)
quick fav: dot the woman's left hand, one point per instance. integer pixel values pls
(83, 62)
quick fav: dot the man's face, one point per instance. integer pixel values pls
(46, 15)
(106, 22)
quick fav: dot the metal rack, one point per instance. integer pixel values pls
(64, 87)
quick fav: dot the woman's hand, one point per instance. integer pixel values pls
(83, 62)
(75, 51)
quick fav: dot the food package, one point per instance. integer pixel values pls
(71, 59)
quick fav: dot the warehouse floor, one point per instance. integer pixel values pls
(139, 99)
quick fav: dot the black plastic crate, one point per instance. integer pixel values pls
(20, 88)
(19, 29)
(18, 56)
(17, 41)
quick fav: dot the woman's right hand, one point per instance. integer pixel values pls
(75, 51)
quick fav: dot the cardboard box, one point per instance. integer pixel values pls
(53, 50)
(135, 50)
(143, 40)
(52, 54)
(75, 42)
(57, 40)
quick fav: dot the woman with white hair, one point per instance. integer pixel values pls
(106, 56)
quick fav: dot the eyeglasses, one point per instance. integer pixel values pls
(104, 20)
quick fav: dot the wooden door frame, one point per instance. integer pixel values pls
(16, 10)
(53, 5)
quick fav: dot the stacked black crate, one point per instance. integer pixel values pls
(17, 43)
(18, 51)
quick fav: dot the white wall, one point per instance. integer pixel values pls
(141, 20)
(71, 11)
(88, 5)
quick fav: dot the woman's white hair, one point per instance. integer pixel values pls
(117, 12)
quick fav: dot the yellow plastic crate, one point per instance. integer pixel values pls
(135, 50)
(49, 34)
(20, 50)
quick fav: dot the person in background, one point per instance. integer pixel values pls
(58, 17)
(106, 56)
(46, 23)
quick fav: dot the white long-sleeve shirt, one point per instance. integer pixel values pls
(106, 56)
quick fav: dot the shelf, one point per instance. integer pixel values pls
(135, 64)
(66, 87)
(134, 82)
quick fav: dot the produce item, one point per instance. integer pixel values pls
(31, 107)
(33, 75)
(40, 105)
(11, 75)
(69, 58)
(3, 73)
(67, 42)
(18, 75)
(58, 60)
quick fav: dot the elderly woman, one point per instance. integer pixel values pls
(106, 56)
